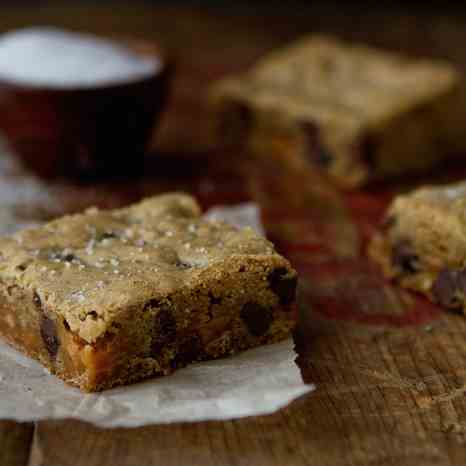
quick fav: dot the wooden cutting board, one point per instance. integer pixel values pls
(390, 367)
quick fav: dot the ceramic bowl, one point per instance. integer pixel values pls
(80, 132)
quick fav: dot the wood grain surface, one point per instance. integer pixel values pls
(15, 443)
(390, 367)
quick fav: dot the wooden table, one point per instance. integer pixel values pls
(390, 368)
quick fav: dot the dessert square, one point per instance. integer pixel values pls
(423, 243)
(107, 298)
(353, 112)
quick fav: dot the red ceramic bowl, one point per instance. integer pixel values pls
(99, 131)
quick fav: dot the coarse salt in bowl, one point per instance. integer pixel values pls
(73, 103)
(53, 58)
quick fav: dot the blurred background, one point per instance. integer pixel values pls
(202, 32)
(212, 38)
(207, 40)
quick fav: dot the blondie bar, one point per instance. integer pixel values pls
(356, 113)
(423, 243)
(106, 298)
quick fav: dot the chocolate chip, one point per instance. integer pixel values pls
(404, 258)
(213, 299)
(48, 330)
(449, 288)
(189, 350)
(93, 315)
(49, 336)
(283, 285)
(152, 303)
(315, 150)
(257, 318)
(368, 151)
(164, 330)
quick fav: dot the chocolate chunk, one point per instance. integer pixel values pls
(404, 258)
(189, 350)
(152, 303)
(48, 332)
(283, 285)
(257, 318)
(323, 157)
(368, 151)
(449, 288)
(93, 315)
(315, 150)
(213, 299)
(164, 330)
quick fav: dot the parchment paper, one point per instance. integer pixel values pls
(258, 381)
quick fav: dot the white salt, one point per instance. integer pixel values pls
(50, 57)
(78, 296)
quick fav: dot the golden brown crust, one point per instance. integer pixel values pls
(105, 298)
(423, 244)
(353, 111)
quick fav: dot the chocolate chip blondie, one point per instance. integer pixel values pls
(107, 298)
(423, 243)
(353, 112)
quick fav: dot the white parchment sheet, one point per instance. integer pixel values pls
(258, 381)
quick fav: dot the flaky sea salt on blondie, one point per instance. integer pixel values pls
(423, 243)
(106, 298)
